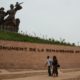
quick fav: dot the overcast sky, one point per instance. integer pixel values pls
(51, 18)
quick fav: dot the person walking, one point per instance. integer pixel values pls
(55, 67)
(49, 63)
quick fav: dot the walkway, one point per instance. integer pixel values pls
(37, 75)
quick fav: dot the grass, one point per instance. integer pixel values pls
(27, 38)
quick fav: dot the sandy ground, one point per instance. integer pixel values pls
(38, 75)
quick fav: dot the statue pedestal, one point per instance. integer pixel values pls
(8, 28)
(11, 26)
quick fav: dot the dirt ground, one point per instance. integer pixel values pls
(64, 74)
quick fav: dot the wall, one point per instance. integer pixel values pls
(15, 54)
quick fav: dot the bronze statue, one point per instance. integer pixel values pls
(10, 22)
(2, 15)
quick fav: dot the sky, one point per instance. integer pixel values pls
(58, 19)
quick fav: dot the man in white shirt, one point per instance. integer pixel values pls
(49, 63)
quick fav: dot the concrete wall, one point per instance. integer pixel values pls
(15, 54)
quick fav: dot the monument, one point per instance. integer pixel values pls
(8, 22)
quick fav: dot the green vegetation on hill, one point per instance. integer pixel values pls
(27, 38)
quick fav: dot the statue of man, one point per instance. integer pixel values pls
(2, 15)
(10, 21)
(11, 13)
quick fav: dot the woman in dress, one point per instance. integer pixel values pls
(55, 66)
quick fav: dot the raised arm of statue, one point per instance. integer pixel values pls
(18, 6)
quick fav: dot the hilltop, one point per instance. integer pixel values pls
(27, 38)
